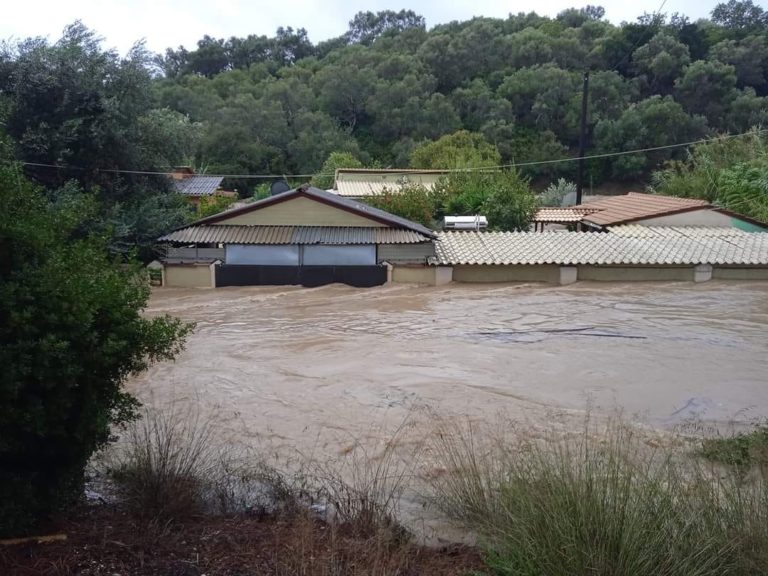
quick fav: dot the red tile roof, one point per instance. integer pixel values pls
(635, 206)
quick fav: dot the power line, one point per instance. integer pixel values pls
(483, 169)
(635, 151)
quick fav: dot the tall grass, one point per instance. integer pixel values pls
(164, 464)
(602, 502)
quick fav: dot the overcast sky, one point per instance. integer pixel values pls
(170, 23)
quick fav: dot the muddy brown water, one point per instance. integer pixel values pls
(318, 370)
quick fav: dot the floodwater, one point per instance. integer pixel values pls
(317, 370)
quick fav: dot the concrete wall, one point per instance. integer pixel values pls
(636, 273)
(189, 276)
(301, 212)
(406, 253)
(431, 275)
(521, 273)
(729, 273)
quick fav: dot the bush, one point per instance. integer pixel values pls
(213, 205)
(556, 193)
(413, 202)
(71, 332)
(604, 502)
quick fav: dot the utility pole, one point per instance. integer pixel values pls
(582, 138)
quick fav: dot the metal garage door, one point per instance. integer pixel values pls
(287, 255)
(357, 255)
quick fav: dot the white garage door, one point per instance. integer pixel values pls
(363, 255)
(263, 255)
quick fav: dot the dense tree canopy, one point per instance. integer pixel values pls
(384, 89)
(388, 85)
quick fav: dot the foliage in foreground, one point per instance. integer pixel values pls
(601, 503)
(732, 172)
(71, 332)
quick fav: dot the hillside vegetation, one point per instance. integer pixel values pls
(283, 104)
(388, 92)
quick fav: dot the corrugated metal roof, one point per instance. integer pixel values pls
(198, 185)
(231, 234)
(634, 206)
(572, 248)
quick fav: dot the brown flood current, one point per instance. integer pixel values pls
(317, 370)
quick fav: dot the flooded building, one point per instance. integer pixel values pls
(624, 253)
(303, 236)
(644, 209)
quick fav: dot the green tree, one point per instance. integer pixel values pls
(653, 122)
(334, 161)
(461, 149)
(72, 103)
(511, 205)
(707, 89)
(661, 60)
(505, 197)
(71, 332)
(366, 27)
(413, 202)
(740, 16)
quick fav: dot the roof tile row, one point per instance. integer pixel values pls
(332, 235)
(666, 247)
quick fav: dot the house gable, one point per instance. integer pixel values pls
(300, 211)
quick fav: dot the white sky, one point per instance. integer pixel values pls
(170, 23)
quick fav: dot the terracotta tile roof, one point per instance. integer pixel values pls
(635, 206)
(663, 247)
(332, 235)
(558, 215)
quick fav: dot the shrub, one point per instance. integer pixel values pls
(71, 332)
(604, 502)
(413, 202)
(556, 193)
(504, 197)
(213, 205)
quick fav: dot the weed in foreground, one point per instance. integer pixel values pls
(603, 502)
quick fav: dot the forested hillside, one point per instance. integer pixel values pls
(282, 104)
(86, 120)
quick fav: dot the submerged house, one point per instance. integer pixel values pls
(304, 236)
(623, 253)
(645, 210)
